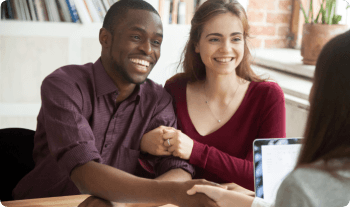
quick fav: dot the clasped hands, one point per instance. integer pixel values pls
(156, 142)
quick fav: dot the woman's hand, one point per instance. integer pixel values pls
(152, 142)
(239, 189)
(180, 144)
(222, 197)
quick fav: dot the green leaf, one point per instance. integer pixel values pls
(336, 19)
(305, 17)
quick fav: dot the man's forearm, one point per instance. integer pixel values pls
(172, 175)
(115, 185)
(175, 175)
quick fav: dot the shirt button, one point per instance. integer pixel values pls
(106, 145)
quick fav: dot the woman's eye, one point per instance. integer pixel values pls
(236, 39)
(214, 40)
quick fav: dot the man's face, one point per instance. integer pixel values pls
(136, 45)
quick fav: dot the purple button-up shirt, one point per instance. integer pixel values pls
(80, 121)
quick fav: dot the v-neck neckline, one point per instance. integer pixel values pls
(223, 126)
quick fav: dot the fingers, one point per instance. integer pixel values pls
(169, 133)
(168, 142)
(211, 191)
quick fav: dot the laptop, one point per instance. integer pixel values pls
(273, 160)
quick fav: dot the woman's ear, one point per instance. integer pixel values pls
(196, 48)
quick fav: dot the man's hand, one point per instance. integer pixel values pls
(152, 142)
(184, 200)
(93, 201)
(180, 144)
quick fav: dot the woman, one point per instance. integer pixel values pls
(322, 174)
(221, 105)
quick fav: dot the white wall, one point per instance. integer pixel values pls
(29, 51)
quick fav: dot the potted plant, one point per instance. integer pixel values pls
(318, 31)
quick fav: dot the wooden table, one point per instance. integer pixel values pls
(67, 201)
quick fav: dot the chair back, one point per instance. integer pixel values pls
(16, 150)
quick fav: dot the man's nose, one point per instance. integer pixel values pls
(146, 47)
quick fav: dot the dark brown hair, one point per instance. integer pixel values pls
(327, 134)
(192, 64)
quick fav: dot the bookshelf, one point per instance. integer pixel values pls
(88, 11)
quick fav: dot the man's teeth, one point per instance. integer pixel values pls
(224, 60)
(140, 62)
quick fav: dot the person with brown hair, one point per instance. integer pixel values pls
(221, 104)
(322, 174)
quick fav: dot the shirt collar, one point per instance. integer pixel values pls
(105, 85)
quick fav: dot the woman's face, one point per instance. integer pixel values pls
(221, 45)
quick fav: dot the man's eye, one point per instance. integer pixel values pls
(156, 42)
(136, 37)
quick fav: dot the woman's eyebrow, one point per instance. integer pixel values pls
(220, 35)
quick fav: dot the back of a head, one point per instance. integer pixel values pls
(116, 13)
(327, 134)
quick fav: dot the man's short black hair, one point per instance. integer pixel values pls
(119, 10)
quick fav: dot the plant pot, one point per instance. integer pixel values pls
(315, 36)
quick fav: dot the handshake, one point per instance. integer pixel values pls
(200, 193)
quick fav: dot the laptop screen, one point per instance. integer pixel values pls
(274, 159)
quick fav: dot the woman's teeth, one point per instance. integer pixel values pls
(224, 60)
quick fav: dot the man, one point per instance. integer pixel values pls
(93, 117)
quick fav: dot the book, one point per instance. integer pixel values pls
(98, 9)
(49, 12)
(82, 11)
(20, 10)
(106, 5)
(88, 10)
(54, 11)
(166, 12)
(32, 10)
(72, 10)
(4, 13)
(99, 2)
(9, 9)
(39, 10)
(95, 16)
(26, 10)
(63, 10)
(16, 14)
(43, 9)
(182, 13)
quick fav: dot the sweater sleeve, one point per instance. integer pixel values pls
(271, 118)
(291, 194)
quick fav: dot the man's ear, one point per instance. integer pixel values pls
(105, 38)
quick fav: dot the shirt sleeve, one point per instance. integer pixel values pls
(241, 171)
(69, 136)
(164, 115)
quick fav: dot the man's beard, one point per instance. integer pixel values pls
(119, 69)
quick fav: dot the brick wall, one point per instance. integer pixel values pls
(269, 22)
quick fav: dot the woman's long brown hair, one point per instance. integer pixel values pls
(193, 67)
(327, 134)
